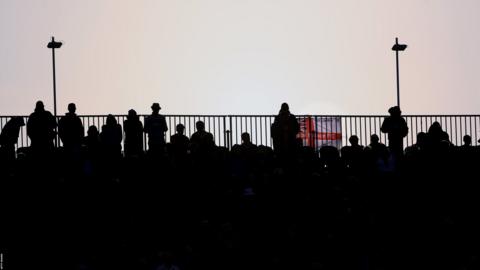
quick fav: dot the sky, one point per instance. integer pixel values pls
(240, 56)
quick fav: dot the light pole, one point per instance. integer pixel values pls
(54, 45)
(398, 48)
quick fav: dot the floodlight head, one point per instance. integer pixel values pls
(54, 44)
(399, 47)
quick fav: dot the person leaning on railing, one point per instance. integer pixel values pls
(9, 137)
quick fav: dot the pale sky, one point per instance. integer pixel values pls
(241, 56)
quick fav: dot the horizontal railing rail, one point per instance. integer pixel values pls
(317, 129)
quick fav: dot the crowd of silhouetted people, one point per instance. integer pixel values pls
(190, 204)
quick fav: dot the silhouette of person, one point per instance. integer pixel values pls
(284, 131)
(41, 129)
(248, 151)
(179, 141)
(92, 142)
(155, 127)
(377, 151)
(133, 129)
(467, 142)
(247, 148)
(71, 131)
(111, 138)
(396, 128)
(352, 154)
(201, 141)
(436, 134)
(9, 137)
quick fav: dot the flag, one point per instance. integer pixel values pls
(317, 131)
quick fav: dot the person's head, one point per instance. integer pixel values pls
(395, 111)
(435, 127)
(111, 120)
(421, 138)
(39, 107)
(284, 107)
(92, 131)
(467, 140)
(374, 139)
(72, 108)
(200, 126)
(245, 137)
(180, 128)
(353, 140)
(156, 108)
(132, 114)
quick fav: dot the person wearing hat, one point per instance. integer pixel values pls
(396, 128)
(155, 127)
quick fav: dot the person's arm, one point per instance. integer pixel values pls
(165, 127)
(385, 125)
(296, 125)
(404, 128)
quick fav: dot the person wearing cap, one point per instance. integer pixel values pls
(396, 128)
(155, 127)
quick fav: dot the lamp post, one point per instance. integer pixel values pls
(398, 48)
(54, 45)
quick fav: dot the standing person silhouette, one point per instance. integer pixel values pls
(155, 127)
(71, 131)
(41, 130)
(396, 128)
(284, 131)
(133, 129)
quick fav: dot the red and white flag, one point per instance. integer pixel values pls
(319, 131)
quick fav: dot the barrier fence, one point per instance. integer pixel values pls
(316, 130)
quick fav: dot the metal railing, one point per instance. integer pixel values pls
(227, 129)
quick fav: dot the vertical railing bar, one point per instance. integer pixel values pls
(22, 134)
(476, 131)
(316, 145)
(269, 141)
(236, 130)
(259, 127)
(456, 135)
(470, 121)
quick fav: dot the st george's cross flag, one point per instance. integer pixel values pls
(318, 131)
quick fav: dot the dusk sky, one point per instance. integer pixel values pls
(241, 56)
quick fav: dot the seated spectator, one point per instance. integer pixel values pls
(201, 141)
(248, 149)
(179, 142)
(352, 155)
(111, 138)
